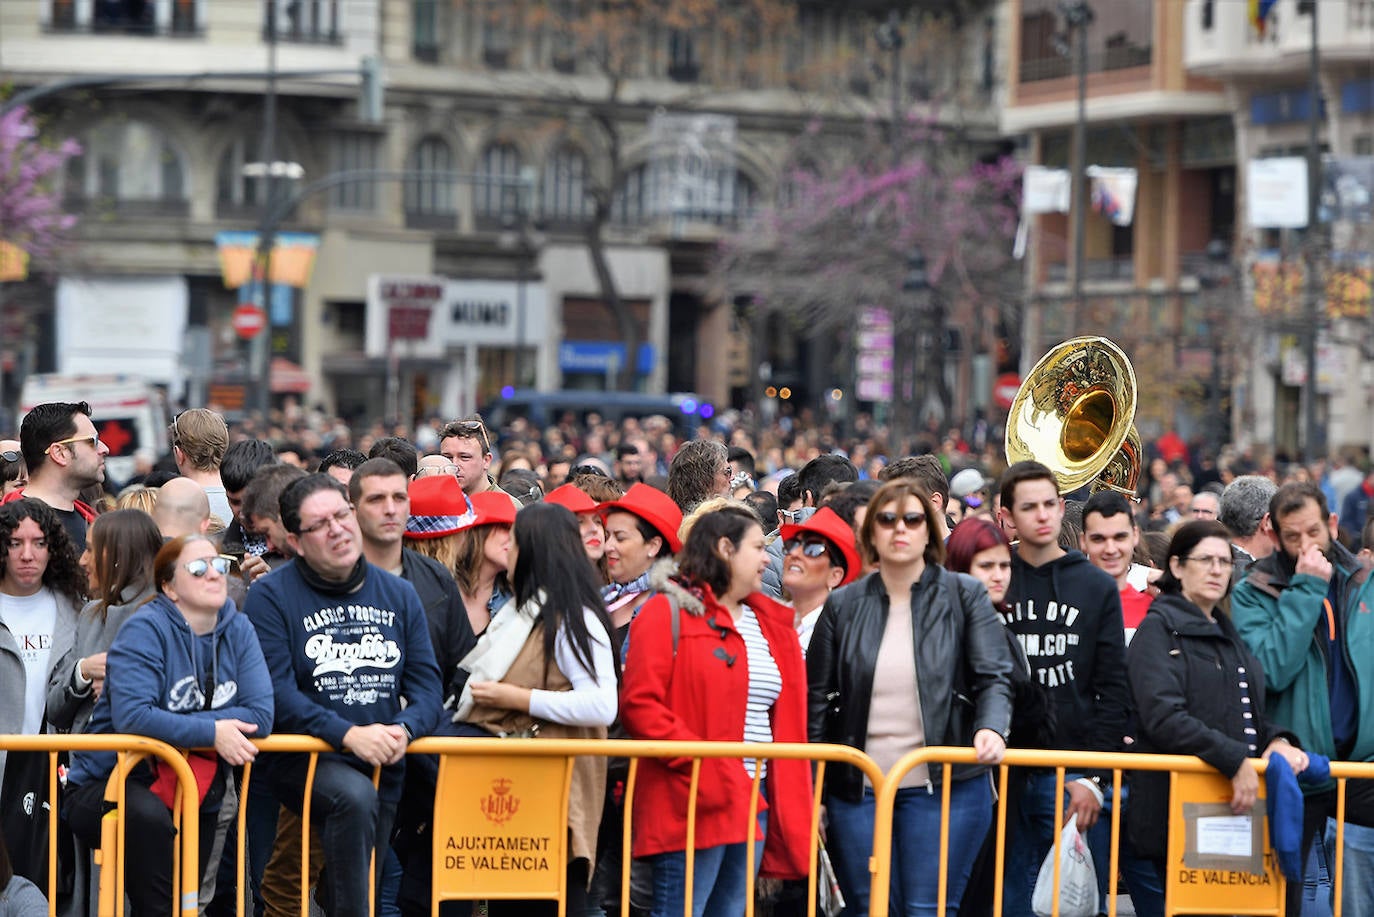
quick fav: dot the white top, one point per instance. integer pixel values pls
(592, 701)
(219, 502)
(807, 627)
(30, 619)
(765, 684)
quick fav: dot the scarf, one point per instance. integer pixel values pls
(613, 592)
(497, 648)
(352, 584)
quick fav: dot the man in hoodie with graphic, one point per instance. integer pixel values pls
(349, 650)
(1067, 615)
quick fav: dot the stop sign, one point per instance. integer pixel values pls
(249, 320)
(1004, 392)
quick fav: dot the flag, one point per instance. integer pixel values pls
(1259, 13)
(1113, 193)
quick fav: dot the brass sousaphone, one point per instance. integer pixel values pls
(1075, 413)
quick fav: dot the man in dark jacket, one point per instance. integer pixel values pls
(1302, 612)
(1067, 615)
(349, 650)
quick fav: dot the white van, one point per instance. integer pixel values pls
(128, 413)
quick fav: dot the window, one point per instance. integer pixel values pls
(238, 196)
(496, 35)
(497, 192)
(562, 43)
(682, 57)
(354, 151)
(129, 17)
(429, 198)
(424, 34)
(130, 165)
(727, 199)
(563, 195)
(631, 204)
(308, 21)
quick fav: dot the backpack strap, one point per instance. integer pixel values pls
(674, 615)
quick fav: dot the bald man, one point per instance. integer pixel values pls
(182, 508)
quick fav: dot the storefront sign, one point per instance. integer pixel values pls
(500, 313)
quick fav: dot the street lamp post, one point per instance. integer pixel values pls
(1221, 279)
(915, 289)
(1311, 445)
(1078, 15)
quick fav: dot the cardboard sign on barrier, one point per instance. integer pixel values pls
(1219, 862)
(500, 827)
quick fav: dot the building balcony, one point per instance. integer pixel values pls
(1220, 40)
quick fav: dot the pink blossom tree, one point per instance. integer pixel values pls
(846, 222)
(31, 214)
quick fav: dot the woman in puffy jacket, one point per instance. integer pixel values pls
(730, 669)
(910, 631)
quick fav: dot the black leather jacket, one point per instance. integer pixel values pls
(963, 667)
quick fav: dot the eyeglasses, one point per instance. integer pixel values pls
(888, 519)
(810, 547)
(430, 470)
(340, 519)
(1212, 563)
(91, 438)
(10, 456)
(203, 565)
(468, 429)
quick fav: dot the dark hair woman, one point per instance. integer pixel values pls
(546, 668)
(729, 668)
(188, 670)
(122, 545)
(1197, 688)
(910, 623)
(641, 528)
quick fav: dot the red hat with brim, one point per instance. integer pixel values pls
(827, 523)
(654, 507)
(438, 507)
(492, 507)
(572, 497)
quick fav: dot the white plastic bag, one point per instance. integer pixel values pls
(1077, 877)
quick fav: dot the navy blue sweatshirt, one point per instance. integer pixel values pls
(339, 661)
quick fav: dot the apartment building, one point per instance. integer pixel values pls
(1265, 75)
(491, 129)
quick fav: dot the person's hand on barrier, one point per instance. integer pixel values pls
(1083, 805)
(990, 746)
(252, 566)
(500, 695)
(231, 741)
(1314, 563)
(1296, 757)
(376, 744)
(1244, 787)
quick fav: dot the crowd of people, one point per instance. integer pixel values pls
(595, 579)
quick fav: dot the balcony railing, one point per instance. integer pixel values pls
(180, 19)
(1056, 66)
(174, 208)
(1095, 269)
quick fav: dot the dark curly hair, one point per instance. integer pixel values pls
(63, 574)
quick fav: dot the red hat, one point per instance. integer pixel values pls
(492, 507)
(654, 507)
(438, 507)
(572, 497)
(828, 524)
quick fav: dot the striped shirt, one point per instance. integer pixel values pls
(765, 684)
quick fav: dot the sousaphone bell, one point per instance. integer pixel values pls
(1075, 413)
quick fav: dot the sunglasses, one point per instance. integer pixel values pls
(888, 519)
(470, 429)
(810, 547)
(9, 456)
(587, 469)
(91, 438)
(203, 565)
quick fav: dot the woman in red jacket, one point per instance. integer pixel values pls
(734, 672)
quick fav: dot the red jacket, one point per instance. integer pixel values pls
(84, 509)
(696, 695)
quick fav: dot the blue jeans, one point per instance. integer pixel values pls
(1357, 868)
(1032, 836)
(720, 878)
(915, 846)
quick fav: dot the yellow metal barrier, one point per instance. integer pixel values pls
(131, 749)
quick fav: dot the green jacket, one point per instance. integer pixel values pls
(1277, 613)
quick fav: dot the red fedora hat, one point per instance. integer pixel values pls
(827, 523)
(654, 507)
(572, 497)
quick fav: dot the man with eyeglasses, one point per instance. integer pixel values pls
(1304, 612)
(1067, 615)
(351, 660)
(64, 456)
(467, 445)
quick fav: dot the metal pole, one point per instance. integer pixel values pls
(1079, 17)
(1311, 430)
(261, 368)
